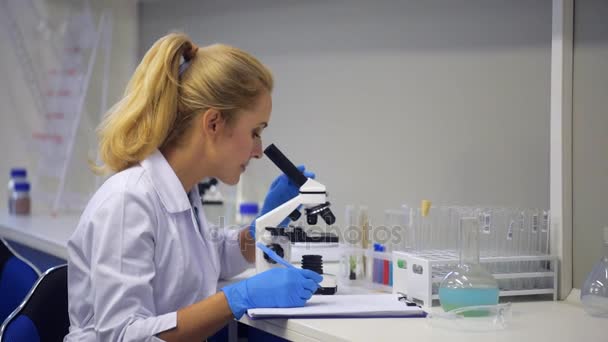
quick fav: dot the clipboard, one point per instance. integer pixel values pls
(344, 306)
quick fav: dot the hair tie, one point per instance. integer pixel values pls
(189, 53)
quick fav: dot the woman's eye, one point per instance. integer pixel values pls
(256, 134)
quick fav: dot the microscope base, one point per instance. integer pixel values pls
(328, 285)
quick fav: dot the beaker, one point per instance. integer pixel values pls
(594, 293)
(468, 284)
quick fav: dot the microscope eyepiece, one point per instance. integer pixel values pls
(323, 210)
(279, 159)
(328, 216)
(311, 219)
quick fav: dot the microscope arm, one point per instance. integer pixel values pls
(275, 216)
(311, 193)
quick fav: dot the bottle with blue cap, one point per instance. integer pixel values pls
(17, 175)
(19, 202)
(248, 211)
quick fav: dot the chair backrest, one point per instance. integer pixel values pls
(43, 315)
(17, 275)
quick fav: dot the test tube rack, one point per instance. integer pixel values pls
(418, 275)
(365, 268)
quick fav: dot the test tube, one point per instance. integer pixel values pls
(406, 231)
(518, 220)
(535, 243)
(425, 225)
(444, 223)
(510, 244)
(376, 272)
(416, 231)
(364, 225)
(500, 226)
(453, 236)
(524, 240)
(544, 247)
(349, 233)
(385, 266)
(390, 222)
(392, 226)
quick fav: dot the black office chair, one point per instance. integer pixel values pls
(43, 315)
(17, 276)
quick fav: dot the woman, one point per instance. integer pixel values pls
(143, 264)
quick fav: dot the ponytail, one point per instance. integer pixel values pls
(161, 100)
(141, 121)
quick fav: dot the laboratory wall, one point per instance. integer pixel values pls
(39, 23)
(392, 102)
(590, 134)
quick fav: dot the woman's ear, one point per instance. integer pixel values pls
(213, 122)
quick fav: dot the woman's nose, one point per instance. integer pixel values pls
(257, 149)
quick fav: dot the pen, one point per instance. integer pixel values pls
(403, 298)
(274, 256)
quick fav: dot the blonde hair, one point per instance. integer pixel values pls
(160, 102)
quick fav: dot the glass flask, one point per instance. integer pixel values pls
(594, 293)
(469, 284)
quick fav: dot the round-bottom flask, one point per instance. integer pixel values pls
(469, 284)
(594, 293)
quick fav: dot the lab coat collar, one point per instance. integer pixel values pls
(165, 182)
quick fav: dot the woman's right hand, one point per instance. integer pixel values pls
(275, 288)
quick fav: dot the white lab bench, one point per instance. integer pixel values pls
(537, 321)
(46, 233)
(561, 321)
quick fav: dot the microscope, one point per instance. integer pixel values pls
(312, 197)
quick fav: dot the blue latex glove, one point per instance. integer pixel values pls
(275, 288)
(281, 190)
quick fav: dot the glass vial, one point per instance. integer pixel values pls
(19, 201)
(365, 226)
(469, 284)
(594, 293)
(248, 212)
(351, 261)
(17, 175)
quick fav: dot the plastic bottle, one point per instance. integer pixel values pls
(469, 284)
(18, 174)
(594, 293)
(249, 190)
(19, 202)
(248, 211)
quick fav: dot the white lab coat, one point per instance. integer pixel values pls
(138, 255)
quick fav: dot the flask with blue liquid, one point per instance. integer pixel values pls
(468, 284)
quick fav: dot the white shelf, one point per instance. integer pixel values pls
(47, 233)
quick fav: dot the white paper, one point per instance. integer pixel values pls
(368, 305)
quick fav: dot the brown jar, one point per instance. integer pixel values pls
(19, 201)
